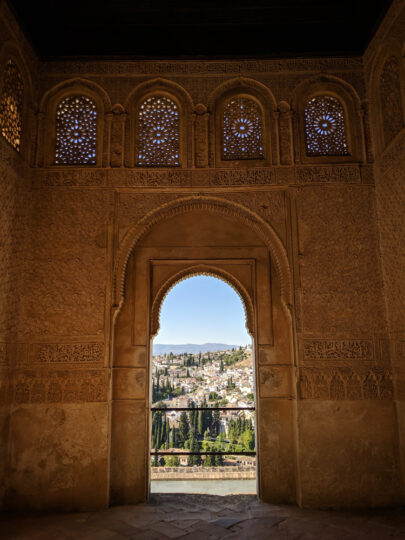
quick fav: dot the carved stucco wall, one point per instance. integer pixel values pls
(63, 233)
(15, 183)
(389, 95)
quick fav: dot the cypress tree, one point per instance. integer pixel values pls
(216, 422)
(167, 434)
(183, 428)
(200, 428)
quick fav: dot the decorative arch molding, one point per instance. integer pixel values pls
(159, 85)
(198, 270)
(351, 102)
(209, 204)
(184, 103)
(262, 95)
(74, 85)
(47, 118)
(390, 48)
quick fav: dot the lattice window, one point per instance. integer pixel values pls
(242, 130)
(11, 105)
(391, 102)
(76, 131)
(158, 133)
(325, 129)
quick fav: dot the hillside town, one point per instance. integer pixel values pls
(208, 380)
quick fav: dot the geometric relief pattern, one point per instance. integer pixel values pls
(242, 130)
(77, 353)
(346, 383)
(391, 102)
(3, 354)
(320, 349)
(42, 386)
(343, 369)
(76, 131)
(11, 105)
(325, 130)
(158, 133)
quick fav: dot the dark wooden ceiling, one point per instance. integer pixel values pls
(199, 28)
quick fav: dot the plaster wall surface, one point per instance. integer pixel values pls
(329, 343)
(386, 94)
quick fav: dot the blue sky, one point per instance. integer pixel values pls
(202, 309)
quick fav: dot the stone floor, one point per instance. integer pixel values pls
(204, 517)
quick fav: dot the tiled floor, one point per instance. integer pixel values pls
(203, 517)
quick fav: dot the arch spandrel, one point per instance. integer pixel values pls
(211, 205)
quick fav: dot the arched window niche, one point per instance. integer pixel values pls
(158, 133)
(71, 125)
(327, 124)
(243, 125)
(11, 104)
(76, 131)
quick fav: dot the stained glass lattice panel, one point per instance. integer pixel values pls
(158, 133)
(325, 131)
(242, 130)
(76, 131)
(11, 105)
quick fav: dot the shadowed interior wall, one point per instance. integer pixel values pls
(15, 181)
(339, 222)
(385, 79)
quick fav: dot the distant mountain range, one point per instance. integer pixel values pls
(192, 348)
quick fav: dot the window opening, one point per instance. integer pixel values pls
(76, 131)
(325, 130)
(203, 404)
(242, 130)
(158, 133)
(11, 105)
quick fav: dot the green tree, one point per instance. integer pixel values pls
(216, 422)
(172, 461)
(248, 440)
(200, 425)
(194, 447)
(184, 428)
(209, 461)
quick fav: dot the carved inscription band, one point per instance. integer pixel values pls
(349, 174)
